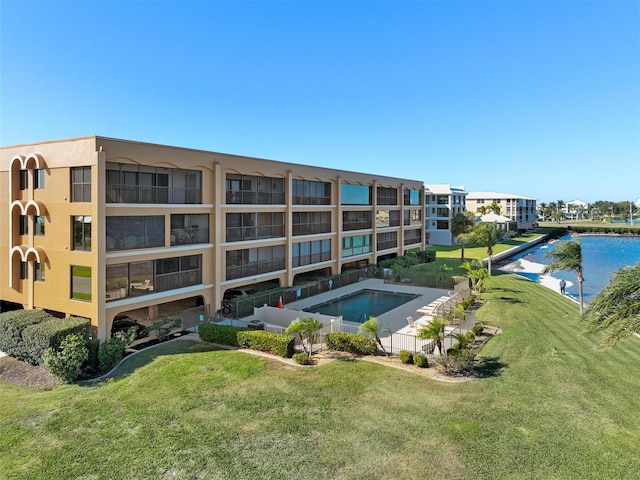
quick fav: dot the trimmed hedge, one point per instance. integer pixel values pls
(222, 334)
(303, 358)
(351, 342)
(420, 360)
(12, 326)
(405, 356)
(276, 343)
(50, 333)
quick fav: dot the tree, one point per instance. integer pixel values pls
(371, 329)
(560, 204)
(488, 235)
(434, 330)
(477, 272)
(542, 208)
(461, 223)
(307, 328)
(567, 256)
(616, 309)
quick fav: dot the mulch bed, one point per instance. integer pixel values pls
(21, 373)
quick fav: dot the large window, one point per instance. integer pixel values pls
(81, 184)
(442, 212)
(443, 199)
(254, 226)
(412, 217)
(442, 224)
(387, 196)
(144, 184)
(254, 190)
(38, 178)
(187, 229)
(411, 197)
(356, 245)
(309, 223)
(82, 232)
(309, 192)
(38, 225)
(24, 179)
(388, 218)
(355, 194)
(307, 253)
(412, 236)
(81, 283)
(386, 240)
(254, 261)
(127, 233)
(354, 220)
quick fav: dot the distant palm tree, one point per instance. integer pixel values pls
(434, 330)
(461, 223)
(560, 204)
(567, 256)
(488, 235)
(495, 208)
(371, 329)
(543, 207)
(306, 328)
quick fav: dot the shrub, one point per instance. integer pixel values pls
(163, 327)
(420, 360)
(477, 329)
(276, 343)
(458, 363)
(93, 347)
(303, 358)
(405, 356)
(351, 342)
(111, 352)
(50, 333)
(222, 334)
(12, 325)
(66, 362)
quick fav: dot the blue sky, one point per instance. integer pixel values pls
(537, 98)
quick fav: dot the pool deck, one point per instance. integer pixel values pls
(396, 319)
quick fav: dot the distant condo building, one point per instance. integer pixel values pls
(95, 227)
(442, 203)
(515, 207)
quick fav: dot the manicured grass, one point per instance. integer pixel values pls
(552, 405)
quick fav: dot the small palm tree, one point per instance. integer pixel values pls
(371, 329)
(434, 330)
(488, 235)
(461, 223)
(307, 328)
(567, 256)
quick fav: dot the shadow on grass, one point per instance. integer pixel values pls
(510, 300)
(489, 367)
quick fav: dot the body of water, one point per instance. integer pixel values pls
(602, 256)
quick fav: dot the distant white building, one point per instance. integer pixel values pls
(575, 209)
(442, 202)
(516, 207)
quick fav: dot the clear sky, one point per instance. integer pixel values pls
(537, 98)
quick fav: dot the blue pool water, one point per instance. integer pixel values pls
(602, 256)
(359, 306)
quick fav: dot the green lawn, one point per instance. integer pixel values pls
(552, 405)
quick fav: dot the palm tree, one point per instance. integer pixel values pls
(542, 208)
(307, 328)
(567, 256)
(616, 309)
(434, 330)
(559, 213)
(495, 208)
(371, 329)
(477, 272)
(488, 235)
(461, 223)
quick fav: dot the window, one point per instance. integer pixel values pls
(254, 226)
(307, 253)
(355, 194)
(356, 245)
(356, 220)
(81, 184)
(443, 200)
(128, 233)
(82, 233)
(81, 283)
(24, 179)
(412, 236)
(412, 217)
(38, 271)
(411, 197)
(254, 261)
(24, 274)
(38, 225)
(38, 178)
(442, 225)
(309, 223)
(387, 196)
(252, 189)
(189, 229)
(24, 225)
(387, 240)
(308, 192)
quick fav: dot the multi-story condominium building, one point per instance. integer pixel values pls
(95, 227)
(518, 208)
(442, 202)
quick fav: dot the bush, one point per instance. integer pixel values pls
(12, 325)
(163, 327)
(303, 358)
(276, 343)
(351, 342)
(50, 333)
(66, 362)
(477, 329)
(222, 334)
(111, 352)
(458, 363)
(93, 347)
(405, 356)
(420, 360)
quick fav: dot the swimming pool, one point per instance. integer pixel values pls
(359, 306)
